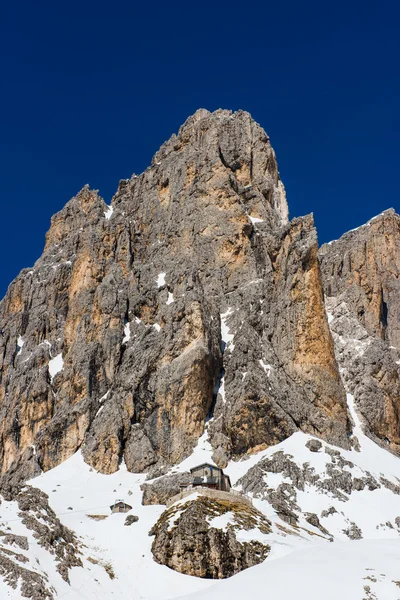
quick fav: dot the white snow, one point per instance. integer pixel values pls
(103, 398)
(127, 333)
(56, 365)
(255, 220)
(170, 298)
(222, 521)
(127, 549)
(267, 368)
(161, 279)
(221, 389)
(157, 326)
(202, 453)
(304, 565)
(372, 457)
(312, 562)
(20, 343)
(225, 335)
(109, 212)
(341, 570)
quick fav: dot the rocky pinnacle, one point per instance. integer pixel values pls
(191, 300)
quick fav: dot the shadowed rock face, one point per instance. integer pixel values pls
(132, 302)
(360, 274)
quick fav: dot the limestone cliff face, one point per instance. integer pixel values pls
(360, 273)
(363, 266)
(280, 373)
(119, 339)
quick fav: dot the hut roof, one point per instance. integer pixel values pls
(214, 467)
(121, 503)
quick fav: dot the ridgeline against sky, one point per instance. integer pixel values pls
(90, 94)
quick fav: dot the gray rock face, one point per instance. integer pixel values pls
(162, 489)
(362, 268)
(340, 479)
(114, 341)
(131, 519)
(353, 532)
(314, 445)
(192, 545)
(360, 277)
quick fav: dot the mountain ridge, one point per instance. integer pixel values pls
(190, 321)
(98, 275)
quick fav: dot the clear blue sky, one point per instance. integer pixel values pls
(90, 90)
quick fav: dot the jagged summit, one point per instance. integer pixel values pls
(139, 305)
(347, 234)
(190, 322)
(360, 274)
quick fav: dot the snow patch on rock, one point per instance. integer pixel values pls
(109, 212)
(127, 333)
(56, 365)
(161, 279)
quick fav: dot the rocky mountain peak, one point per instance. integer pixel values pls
(190, 323)
(190, 303)
(234, 145)
(363, 266)
(83, 209)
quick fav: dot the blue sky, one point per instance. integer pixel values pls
(90, 90)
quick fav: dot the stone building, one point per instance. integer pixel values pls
(120, 507)
(210, 476)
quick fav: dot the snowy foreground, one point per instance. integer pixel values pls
(303, 564)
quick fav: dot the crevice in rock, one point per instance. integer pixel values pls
(233, 183)
(16, 430)
(222, 159)
(383, 315)
(268, 196)
(217, 386)
(259, 252)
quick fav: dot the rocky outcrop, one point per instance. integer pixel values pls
(130, 519)
(32, 585)
(119, 340)
(43, 525)
(280, 373)
(163, 488)
(362, 268)
(200, 537)
(360, 277)
(338, 478)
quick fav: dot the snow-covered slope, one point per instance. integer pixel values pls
(117, 559)
(363, 570)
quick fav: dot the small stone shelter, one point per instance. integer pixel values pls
(120, 507)
(210, 476)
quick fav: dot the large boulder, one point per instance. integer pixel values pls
(201, 537)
